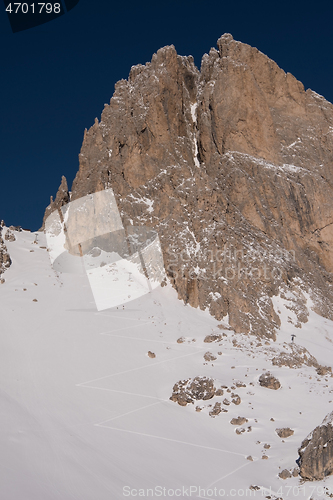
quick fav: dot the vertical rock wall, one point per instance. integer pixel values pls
(233, 166)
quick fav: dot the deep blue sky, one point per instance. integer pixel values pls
(55, 78)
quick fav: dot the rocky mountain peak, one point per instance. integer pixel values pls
(232, 165)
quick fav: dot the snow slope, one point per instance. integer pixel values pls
(85, 412)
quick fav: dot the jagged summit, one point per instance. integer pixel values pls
(225, 37)
(232, 165)
(61, 198)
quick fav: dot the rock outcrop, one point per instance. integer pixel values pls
(269, 381)
(188, 391)
(9, 235)
(285, 474)
(297, 356)
(238, 421)
(316, 452)
(284, 432)
(213, 337)
(217, 409)
(5, 260)
(232, 165)
(61, 199)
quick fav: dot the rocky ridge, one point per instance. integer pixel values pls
(232, 165)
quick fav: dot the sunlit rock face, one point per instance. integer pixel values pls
(232, 165)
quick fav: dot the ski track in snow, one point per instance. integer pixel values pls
(85, 384)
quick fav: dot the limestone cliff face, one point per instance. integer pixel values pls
(233, 166)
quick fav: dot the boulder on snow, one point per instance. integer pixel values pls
(208, 356)
(238, 421)
(217, 409)
(269, 381)
(285, 474)
(188, 391)
(236, 399)
(213, 337)
(284, 432)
